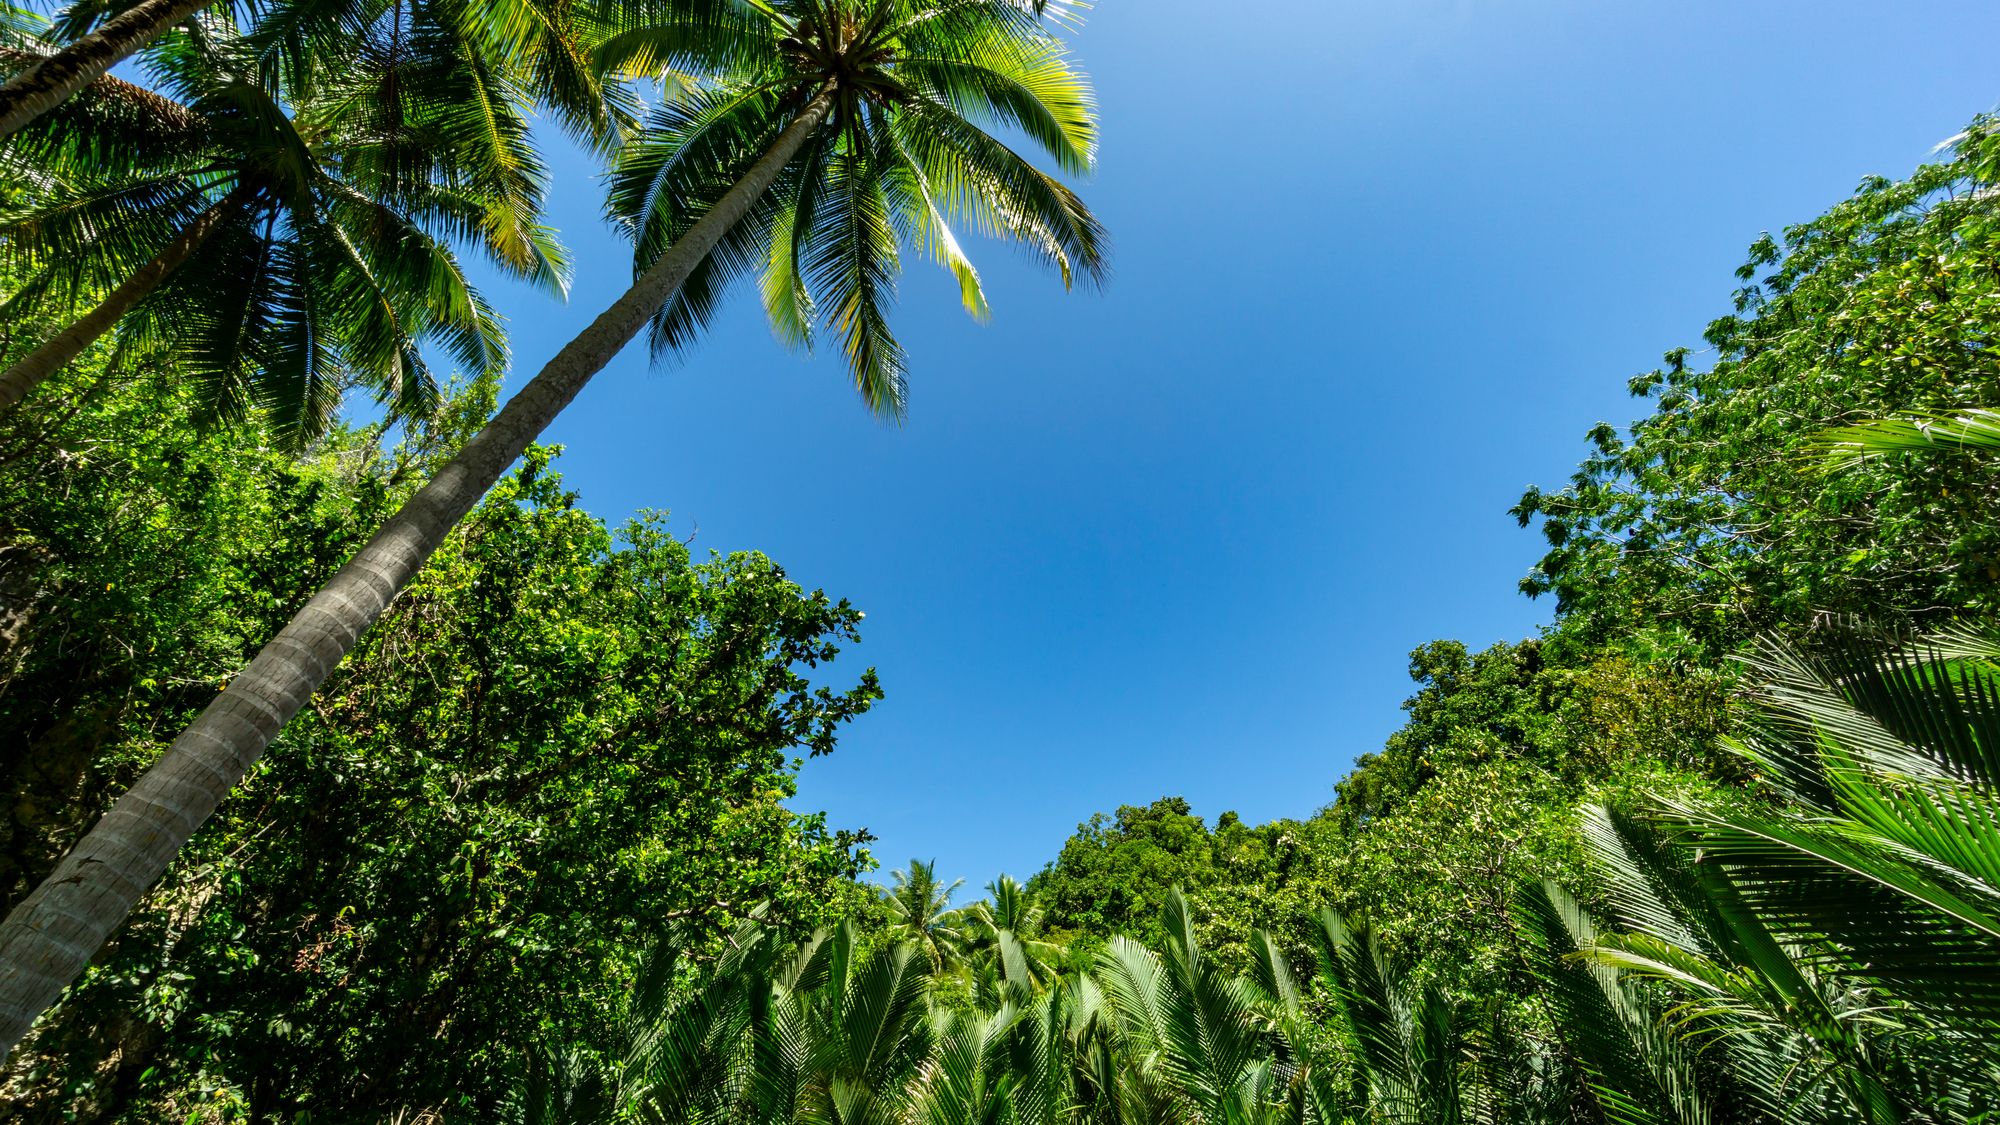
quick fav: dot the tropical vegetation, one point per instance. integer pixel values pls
(354, 773)
(822, 133)
(1824, 951)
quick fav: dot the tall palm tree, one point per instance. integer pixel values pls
(904, 157)
(277, 249)
(860, 102)
(47, 81)
(261, 266)
(920, 912)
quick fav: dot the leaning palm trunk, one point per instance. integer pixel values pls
(51, 81)
(49, 938)
(58, 350)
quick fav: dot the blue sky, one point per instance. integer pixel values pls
(1378, 266)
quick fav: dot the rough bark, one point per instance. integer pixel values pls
(47, 940)
(58, 350)
(51, 81)
(20, 595)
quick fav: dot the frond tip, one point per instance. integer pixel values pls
(1976, 430)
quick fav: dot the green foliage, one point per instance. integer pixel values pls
(1117, 874)
(1427, 839)
(320, 267)
(558, 743)
(1818, 952)
(529, 857)
(1779, 909)
(1709, 516)
(919, 88)
(1577, 714)
(1113, 876)
(139, 559)
(1887, 841)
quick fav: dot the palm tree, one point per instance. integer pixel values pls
(1003, 935)
(1826, 954)
(819, 1032)
(50, 80)
(282, 251)
(1060, 1052)
(1890, 845)
(902, 158)
(810, 1034)
(853, 104)
(920, 912)
(535, 37)
(1798, 1045)
(1410, 1042)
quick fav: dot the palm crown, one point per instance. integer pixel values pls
(319, 260)
(913, 91)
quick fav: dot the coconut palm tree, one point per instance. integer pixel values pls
(48, 80)
(277, 251)
(1002, 934)
(534, 37)
(903, 158)
(920, 912)
(870, 118)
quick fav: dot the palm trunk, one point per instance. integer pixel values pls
(53, 933)
(22, 378)
(51, 81)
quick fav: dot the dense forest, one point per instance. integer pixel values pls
(1721, 844)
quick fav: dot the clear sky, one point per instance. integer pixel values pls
(1377, 267)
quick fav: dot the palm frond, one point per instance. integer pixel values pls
(1976, 430)
(1635, 1073)
(851, 271)
(975, 177)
